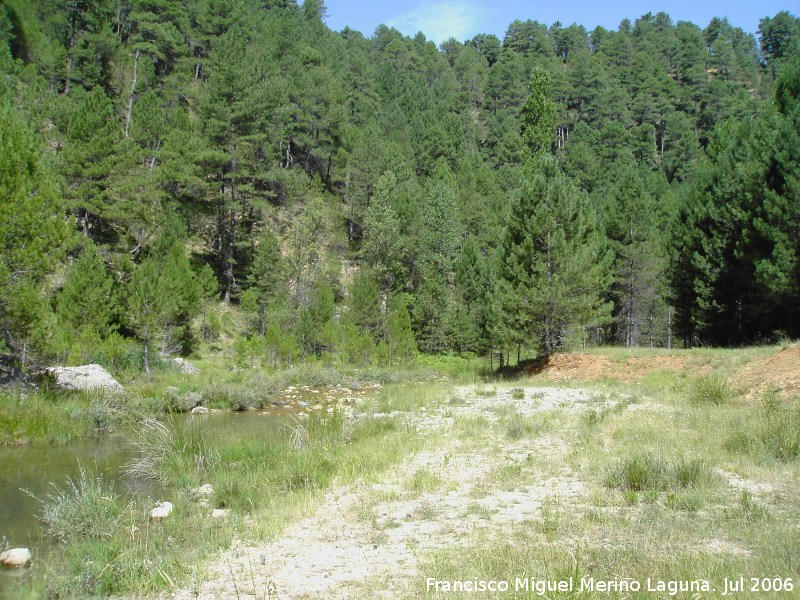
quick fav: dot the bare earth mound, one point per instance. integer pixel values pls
(566, 367)
(780, 371)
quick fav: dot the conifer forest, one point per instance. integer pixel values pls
(364, 197)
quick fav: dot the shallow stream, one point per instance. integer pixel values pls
(29, 474)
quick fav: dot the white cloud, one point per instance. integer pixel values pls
(440, 20)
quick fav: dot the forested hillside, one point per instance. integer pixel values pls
(365, 198)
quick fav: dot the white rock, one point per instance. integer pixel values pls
(200, 410)
(204, 490)
(220, 513)
(16, 558)
(161, 511)
(185, 366)
(85, 377)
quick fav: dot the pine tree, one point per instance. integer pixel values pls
(382, 248)
(399, 333)
(266, 275)
(33, 233)
(553, 266)
(90, 157)
(538, 114)
(88, 299)
(232, 110)
(148, 308)
(638, 258)
(364, 305)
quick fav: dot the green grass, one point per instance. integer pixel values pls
(658, 465)
(652, 472)
(712, 389)
(423, 480)
(108, 546)
(772, 434)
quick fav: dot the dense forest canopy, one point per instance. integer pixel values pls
(369, 197)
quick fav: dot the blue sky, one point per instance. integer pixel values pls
(462, 19)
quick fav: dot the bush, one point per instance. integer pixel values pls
(87, 509)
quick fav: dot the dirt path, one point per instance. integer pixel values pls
(367, 539)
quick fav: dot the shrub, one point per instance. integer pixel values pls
(515, 430)
(690, 473)
(87, 508)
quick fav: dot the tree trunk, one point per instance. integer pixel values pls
(133, 91)
(146, 360)
(669, 328)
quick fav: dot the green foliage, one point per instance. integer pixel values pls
(91, 154)
(87, 509)
(402, 345)
(280, 154)
(538, 114)
(735, 268)
(88, 299)
(382, 247)
(364, 305)
(266, 277)
(32, 233)
(650, 472)
(553, 265)
(165, 452)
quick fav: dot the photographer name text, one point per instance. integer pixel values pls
(542, 587)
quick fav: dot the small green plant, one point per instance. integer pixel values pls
(515, 430)
(518, 393)
(86, 509)
(780, 433)
(649, 473)
(550, 517)
(630, 497)
(486, 392)
(638, 473)
(690, 473)
(688, 500)
(712, 389)
(519, 426)
(424, 481)
(748, 509)
(166, 452)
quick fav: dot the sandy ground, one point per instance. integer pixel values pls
(365, 534)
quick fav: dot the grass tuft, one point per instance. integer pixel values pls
(166, 453)
(648, 472)
(85, 509)
(712, 389)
